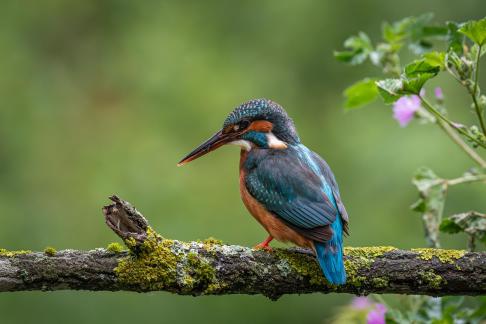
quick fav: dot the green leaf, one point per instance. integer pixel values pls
(358, 49)
(475, 49)
(421, 67)
(475, 30)
(413, 78)
(412, 27)
(472, 223)
(437, 32)
(419, 206)
(420, 47)
(390, 89)
(360, 41)
(351, 57)
(421, 35)
(454, 38)
(419, 26)
(449, 226)
(343, 56)
(360, 93)
(417, 73)
(392, 34)
(432, 191)
(415, 30)
(425, 178)
(435, 59)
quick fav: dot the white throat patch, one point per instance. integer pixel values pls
(246, 145)
(274, 142)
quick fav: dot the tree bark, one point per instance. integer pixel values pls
(153, 263)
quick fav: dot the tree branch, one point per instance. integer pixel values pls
(211, 268)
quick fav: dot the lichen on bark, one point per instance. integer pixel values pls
(149, 266)
(8, 253)
(444, 256)
(160, 263)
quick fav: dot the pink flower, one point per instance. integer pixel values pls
(438, 93)
(360, 303)
(404, 109)
(377, 315)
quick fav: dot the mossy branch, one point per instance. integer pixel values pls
(209, 267)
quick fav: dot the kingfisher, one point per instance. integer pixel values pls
(289, 189)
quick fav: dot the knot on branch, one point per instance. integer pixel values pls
(127, 222)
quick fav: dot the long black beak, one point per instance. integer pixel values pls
(217, 140)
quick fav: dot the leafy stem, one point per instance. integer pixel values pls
(474, 91)
(479, 113)
(467, 179)
(451, 72)
(458, 140)
(444, 119)
(476, 72)
(472, 223)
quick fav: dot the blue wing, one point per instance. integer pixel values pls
(297, 186)
(325, 170)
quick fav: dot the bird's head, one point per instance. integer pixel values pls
(258, 123)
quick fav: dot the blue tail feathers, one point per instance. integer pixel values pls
(330, 255)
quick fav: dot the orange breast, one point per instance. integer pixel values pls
(272, 224)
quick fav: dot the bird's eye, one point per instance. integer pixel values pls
(242, 125)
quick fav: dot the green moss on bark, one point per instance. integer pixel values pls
(362, 259)
(380, 282)
(445, 256)
(212, 241)
(9, 254)
(303, 265)
(357, 259)
(432, 279)
(115, 247)
(153, 267)
(50, 251)
(368, 252)
(199, 269)
(215, 287)
(210, 244)
(159, 264)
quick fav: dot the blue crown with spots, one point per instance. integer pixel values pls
(264, 109)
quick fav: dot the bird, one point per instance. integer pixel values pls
(289, 189)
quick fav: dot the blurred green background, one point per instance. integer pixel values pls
(103, 97)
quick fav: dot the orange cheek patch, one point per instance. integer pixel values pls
(261, 126)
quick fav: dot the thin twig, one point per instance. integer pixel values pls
(458, 140)
(467, 179)
(441, 117)
(475, 92)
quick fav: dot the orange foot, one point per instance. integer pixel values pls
(264, 245)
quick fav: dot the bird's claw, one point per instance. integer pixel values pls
(262, 246)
